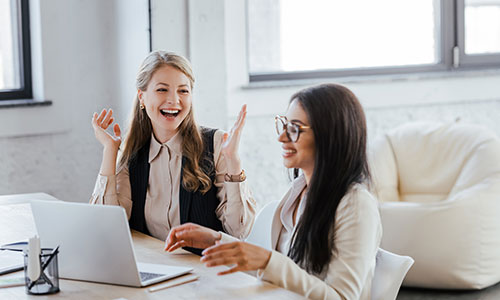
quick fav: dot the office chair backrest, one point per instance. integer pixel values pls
(261, 230)
(390, 270)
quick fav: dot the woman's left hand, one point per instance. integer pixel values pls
(231, 140)
(245, 257)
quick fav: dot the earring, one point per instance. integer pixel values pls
(141, 106)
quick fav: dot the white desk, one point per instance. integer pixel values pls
(16, 223)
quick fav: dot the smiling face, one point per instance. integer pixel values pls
(300, 154)
(167, 100)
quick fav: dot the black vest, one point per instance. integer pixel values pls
(194, 207)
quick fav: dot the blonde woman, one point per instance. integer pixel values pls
(171, 171)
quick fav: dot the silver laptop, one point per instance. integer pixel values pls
(95, 244)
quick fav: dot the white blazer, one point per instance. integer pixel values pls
(357, 235)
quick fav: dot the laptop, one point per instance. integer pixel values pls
(95, 244)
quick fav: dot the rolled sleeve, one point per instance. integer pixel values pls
(113, 190)
(105, 187)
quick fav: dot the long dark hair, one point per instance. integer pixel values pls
(338, 122)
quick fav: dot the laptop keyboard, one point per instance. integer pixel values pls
(147, 276)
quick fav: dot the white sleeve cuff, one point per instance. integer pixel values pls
(104, 186)
(226, 238)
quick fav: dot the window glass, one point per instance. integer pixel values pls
(297, 35)
(9, 46)
(482, 26)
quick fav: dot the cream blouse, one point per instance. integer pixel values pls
(286, 216)
(357, 235)
(236, 209)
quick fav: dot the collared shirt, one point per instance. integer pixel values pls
(236, 209)
(286, 214)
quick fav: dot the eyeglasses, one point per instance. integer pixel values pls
(292, 130)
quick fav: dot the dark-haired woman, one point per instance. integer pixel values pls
(326, 231)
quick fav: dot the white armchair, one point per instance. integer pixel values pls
(439, 188)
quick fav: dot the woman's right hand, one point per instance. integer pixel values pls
(100, 123)
(191, 235)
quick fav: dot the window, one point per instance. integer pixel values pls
(15, 56)
(479, 32)
(295, 39)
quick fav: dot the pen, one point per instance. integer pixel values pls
(51, 256)
(17, 246)
(175, 282)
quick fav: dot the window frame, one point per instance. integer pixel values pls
(26, 90)
(451, 54)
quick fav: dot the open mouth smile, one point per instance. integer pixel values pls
(172, 113)
(288, 152)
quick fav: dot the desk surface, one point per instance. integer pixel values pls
(16, 223)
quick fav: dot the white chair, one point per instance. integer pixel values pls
(390, 270)
(260, 234)
(439, 191)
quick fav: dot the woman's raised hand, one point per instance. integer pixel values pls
(191, 235)
(100, 123)
(231, 140)
(243, 256)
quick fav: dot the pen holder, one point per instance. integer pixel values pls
(48, 282)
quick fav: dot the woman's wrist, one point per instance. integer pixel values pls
(233, 166)
(111, 148)
(266, 262)
(108, 165)
(217, 237)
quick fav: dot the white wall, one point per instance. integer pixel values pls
(85, 55)
(131, 27)
(90, 50)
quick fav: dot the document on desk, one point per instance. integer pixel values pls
(10, 260)
(19, 214)
(175, 282)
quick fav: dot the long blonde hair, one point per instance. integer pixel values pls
(140, 129)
